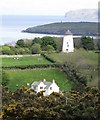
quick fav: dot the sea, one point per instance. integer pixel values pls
(11, 26)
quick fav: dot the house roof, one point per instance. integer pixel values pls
(45, 82)
(68, 32)
(48, 86)
(36, 83)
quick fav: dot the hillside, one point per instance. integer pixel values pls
(85, 61)
(77, 28)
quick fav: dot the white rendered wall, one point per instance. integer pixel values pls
(55, 88)
(68, 45)
(40, 85)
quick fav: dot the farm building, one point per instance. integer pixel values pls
(47, 87)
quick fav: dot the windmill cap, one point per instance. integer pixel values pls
(68, 32)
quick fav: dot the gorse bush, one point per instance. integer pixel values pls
(25, 104)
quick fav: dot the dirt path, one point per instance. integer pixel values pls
(12, 56)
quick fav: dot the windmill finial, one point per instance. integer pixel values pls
(68, 32)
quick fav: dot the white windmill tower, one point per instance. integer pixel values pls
(68, 45)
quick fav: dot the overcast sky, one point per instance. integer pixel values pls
(44, 7)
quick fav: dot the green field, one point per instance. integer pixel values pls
(85, 61)
(22, 77)
(78, 57)
(30, 60)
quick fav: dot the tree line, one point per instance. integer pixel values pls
(32, 46)
(46, 44)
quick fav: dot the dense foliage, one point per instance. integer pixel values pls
(5, 78)
(32, 46)
(25, 104)
(87, 43)
(54, 65)
(79, 81)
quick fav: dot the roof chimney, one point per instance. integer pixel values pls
(53, 81)
(44, 80)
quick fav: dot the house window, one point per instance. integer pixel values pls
(50, 88)
(41, 87)
(34, 87)
(67, 45)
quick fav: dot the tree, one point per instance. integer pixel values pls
(20, 51)
(49, 48)
(77, 43)
(27, 51)
(98, 44)
(27, 43)
(48, 41)
(37, 40)
(36, 49)
(6, 49)
(87, 43)
(20, 43)
(58, 42)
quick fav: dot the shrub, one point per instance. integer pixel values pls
(87, 43)
(32, 66)
(48, 58)
(36, 48)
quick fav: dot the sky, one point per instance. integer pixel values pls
(44, 7)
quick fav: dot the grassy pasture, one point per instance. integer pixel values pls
(85, 61)
(29, 60)
(22, 77)
(78, 57)
(92, 76)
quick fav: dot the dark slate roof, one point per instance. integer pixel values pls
(36, 83)
(45, 82)
(48, 86)
(68, 32)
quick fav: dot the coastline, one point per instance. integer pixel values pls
(59, 28)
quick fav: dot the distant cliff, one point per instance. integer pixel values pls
(77, 28)
(82, 15)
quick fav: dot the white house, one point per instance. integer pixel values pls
(47, 87)
(68, 44)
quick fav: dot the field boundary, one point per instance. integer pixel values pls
(54, 65)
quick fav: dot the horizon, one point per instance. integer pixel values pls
(44, 7)
(45, 14)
